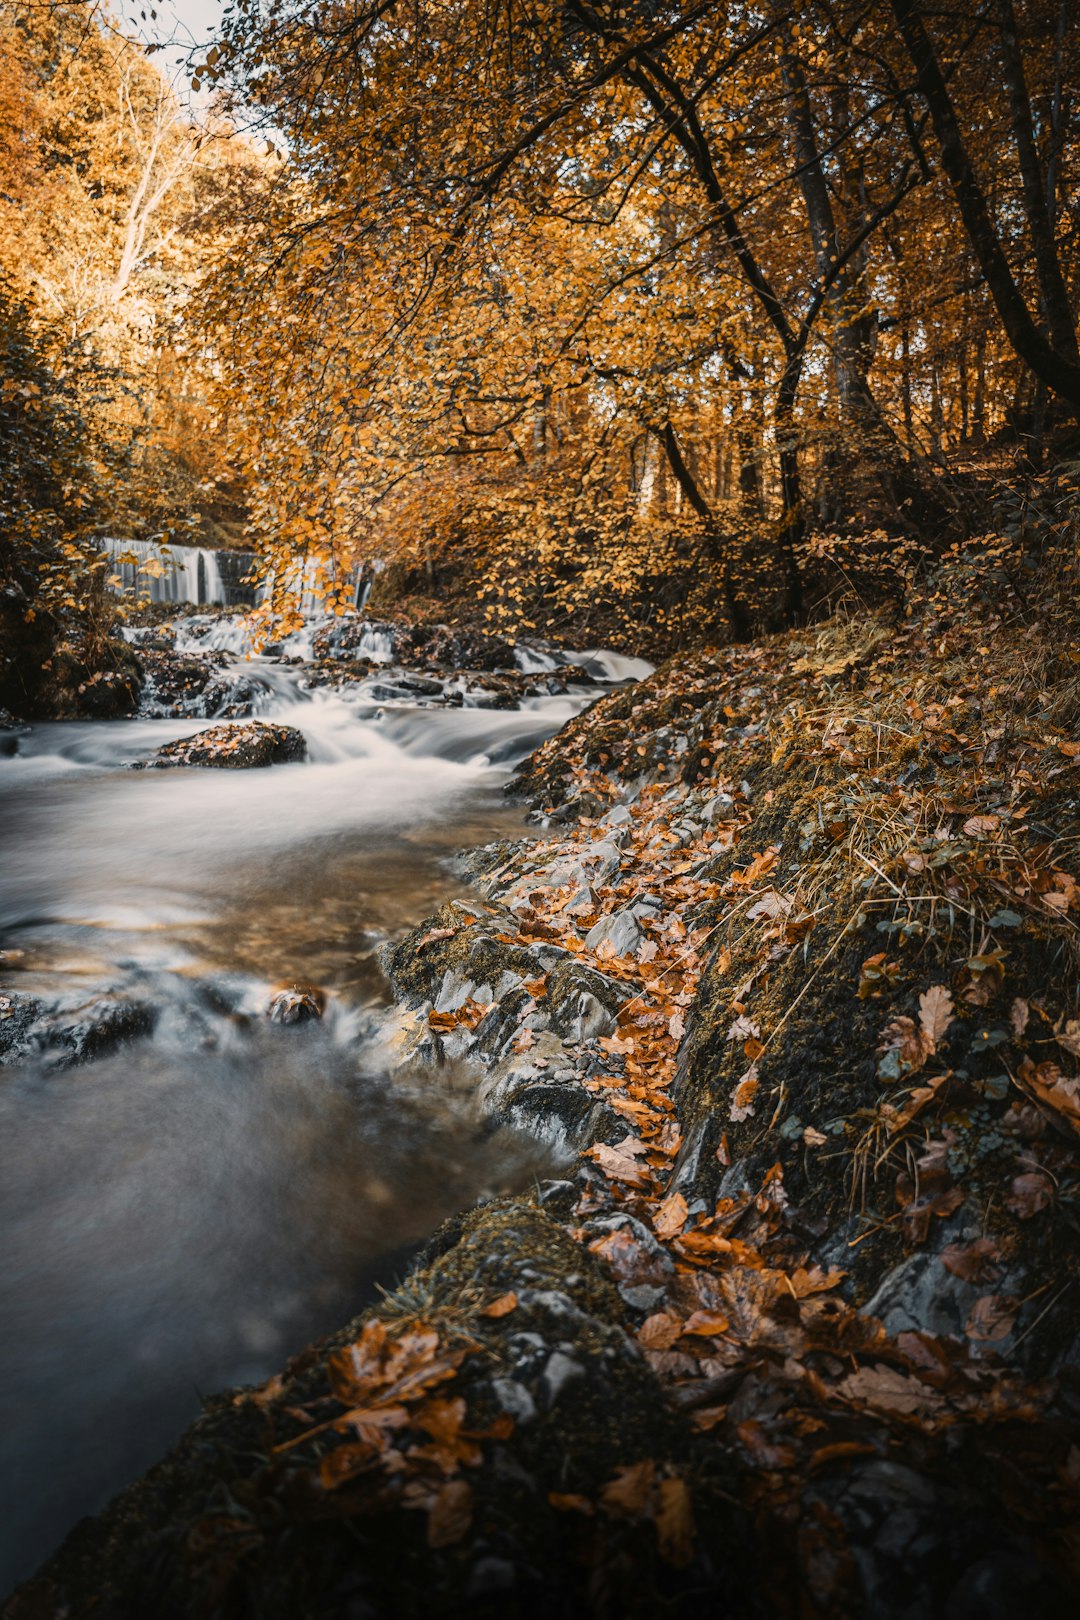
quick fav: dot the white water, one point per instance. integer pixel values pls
(152, 571)
(176, 573)
(186, 1210)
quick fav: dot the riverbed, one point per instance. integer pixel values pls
(192, 1205)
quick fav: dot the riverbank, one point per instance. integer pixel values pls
(792, 973)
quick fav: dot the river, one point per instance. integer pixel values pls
(189, 1208)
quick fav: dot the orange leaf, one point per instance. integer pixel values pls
(670, 1216)
(631, 1489)
(501, 1306)
(675, 1523)
(704, 1324)
(568, 1502)
(659, 1332)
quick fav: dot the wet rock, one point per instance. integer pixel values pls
(109, 694)
(11, 730)
(64, 1036)
(583, 1001)
(618, 817)
(721, 807)
(621, 931)
(18, 1015)
(453, 647)
(296, 1004)
(175, 683)
(241, 746)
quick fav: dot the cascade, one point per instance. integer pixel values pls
(194, 574)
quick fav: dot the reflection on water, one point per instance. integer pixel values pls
(183, 1212)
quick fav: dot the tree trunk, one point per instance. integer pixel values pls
(1059, 371)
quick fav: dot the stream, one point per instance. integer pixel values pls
(191, 1206)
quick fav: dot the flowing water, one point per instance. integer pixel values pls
(187, 1209)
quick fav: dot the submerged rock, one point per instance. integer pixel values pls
(296, 1004)
(64, 1036)
(243, 746)
(202, 685)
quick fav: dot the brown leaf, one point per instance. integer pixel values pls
(450, 1518)
(759, 1444)
(670, 1216)
(659, 1332)
(675, 1523)
(742, 1102)
(992, 1317)
(345, 1463)
(1051, 1087)
(501, 1306)
(1069, 1037)
(982, 826)
(568, 1502)
(935, 1012)
(1029, 1194)
(973, 1262)
(705, 1324)
(909, 1044)
(618, 1167)
(631, 1489)
(887, 1390)
(803, 1282)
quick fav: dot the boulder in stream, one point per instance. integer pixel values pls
(66, 1035)
(296, 1004)
(242, 746)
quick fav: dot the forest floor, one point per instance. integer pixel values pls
(790, 976)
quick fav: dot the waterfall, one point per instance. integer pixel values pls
(192, 574)
(203, 577)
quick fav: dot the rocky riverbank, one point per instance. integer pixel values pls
(790, 979)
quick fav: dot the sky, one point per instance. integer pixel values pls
(181, 26)
(186, 21)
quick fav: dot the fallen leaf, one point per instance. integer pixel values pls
(1069, 1037)
(705, 1324)
(568, 1502)
(619, 1167)
(976, 1262)
(935, 1013)
(451, 1514)
(742, 1102)
(345, 1463)
(888, 1390)
(501, 1306)
(765, 1451)
(631, 1489)
(982, 826)
(1029, 1194)
(659, 1332)
(991, 1317)
(675, 1523)
(670, 1216)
